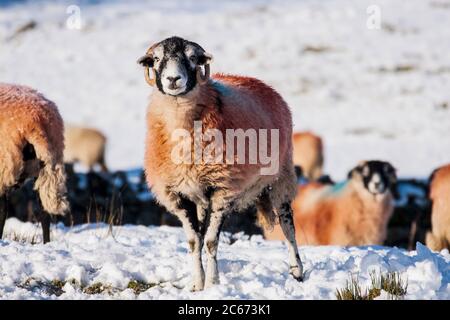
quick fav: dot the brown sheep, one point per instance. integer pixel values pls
(86, 145)
(308, 154)
(439, 237)
(201, 194)
(31, 146)
(352, 213)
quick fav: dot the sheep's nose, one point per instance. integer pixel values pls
(173, 79)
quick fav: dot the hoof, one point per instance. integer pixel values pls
(296, 273)
(211, 283)
(197, 286)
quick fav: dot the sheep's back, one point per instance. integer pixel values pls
(26, 114)
(250, 103)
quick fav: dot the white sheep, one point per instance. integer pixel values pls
(439, 237)
(308, 154)
(85, 145)
(203, 193)
(354, 213)
(31, 146)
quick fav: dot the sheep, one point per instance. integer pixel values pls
(201, 194)
(355, 212)
(31, 147)
(439, 237)
(86, 145)
(308, 154)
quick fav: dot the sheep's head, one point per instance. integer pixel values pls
(176, 65)
(377, 176)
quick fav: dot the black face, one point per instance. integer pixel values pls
(377, 176)
(175, 61)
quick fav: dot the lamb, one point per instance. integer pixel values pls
(439, 237)
(203, 193)
(86, 145)
(31, 146)
(308, 154)
(353, 213)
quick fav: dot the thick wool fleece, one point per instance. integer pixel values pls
(28, 118)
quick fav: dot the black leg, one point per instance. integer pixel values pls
(3, 214)
(44, 218)
(45, 222)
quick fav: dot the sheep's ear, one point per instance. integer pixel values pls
(392, 174)
(204, 58)
(146, 61)
(355, 170)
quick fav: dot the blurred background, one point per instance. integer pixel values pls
(368, 92)
(371, 78)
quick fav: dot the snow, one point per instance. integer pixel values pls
(250, 268)
(342, 93)
(348, 94)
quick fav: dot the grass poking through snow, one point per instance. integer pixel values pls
(392, 283)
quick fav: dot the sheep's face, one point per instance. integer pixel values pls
(175, 63)
(378, 177)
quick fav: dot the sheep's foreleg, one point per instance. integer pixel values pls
(188, 217)
(201, 217)
(287, 225)
(3, 214)
(212, 242)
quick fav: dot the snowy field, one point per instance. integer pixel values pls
(370, 93)
(84, 256)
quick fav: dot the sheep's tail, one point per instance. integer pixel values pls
(51, 181)
(51, 186)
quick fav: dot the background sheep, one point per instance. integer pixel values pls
(201, 195)
(355, 212)
(85, 145)
(439, 237)
(31, 146)
(308, 154)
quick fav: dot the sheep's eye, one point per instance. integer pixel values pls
(156, 59)
(193, 58)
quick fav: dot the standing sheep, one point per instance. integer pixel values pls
(31, 146)
(201, 194)
(86, 145)
(439, 237)
(352, 213)
(308, 154)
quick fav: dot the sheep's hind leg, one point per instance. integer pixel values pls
(44, 219)
(212, 242)
(187, 214)
(287, 225)
(3, 214)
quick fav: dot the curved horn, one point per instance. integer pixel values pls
(202, 79)
(148, 79)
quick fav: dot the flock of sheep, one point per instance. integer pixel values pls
(315, 211)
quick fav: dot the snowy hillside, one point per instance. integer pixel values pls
(370, 93)
(81, 258)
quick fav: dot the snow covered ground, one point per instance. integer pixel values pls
(370, 93)
(249, 268)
